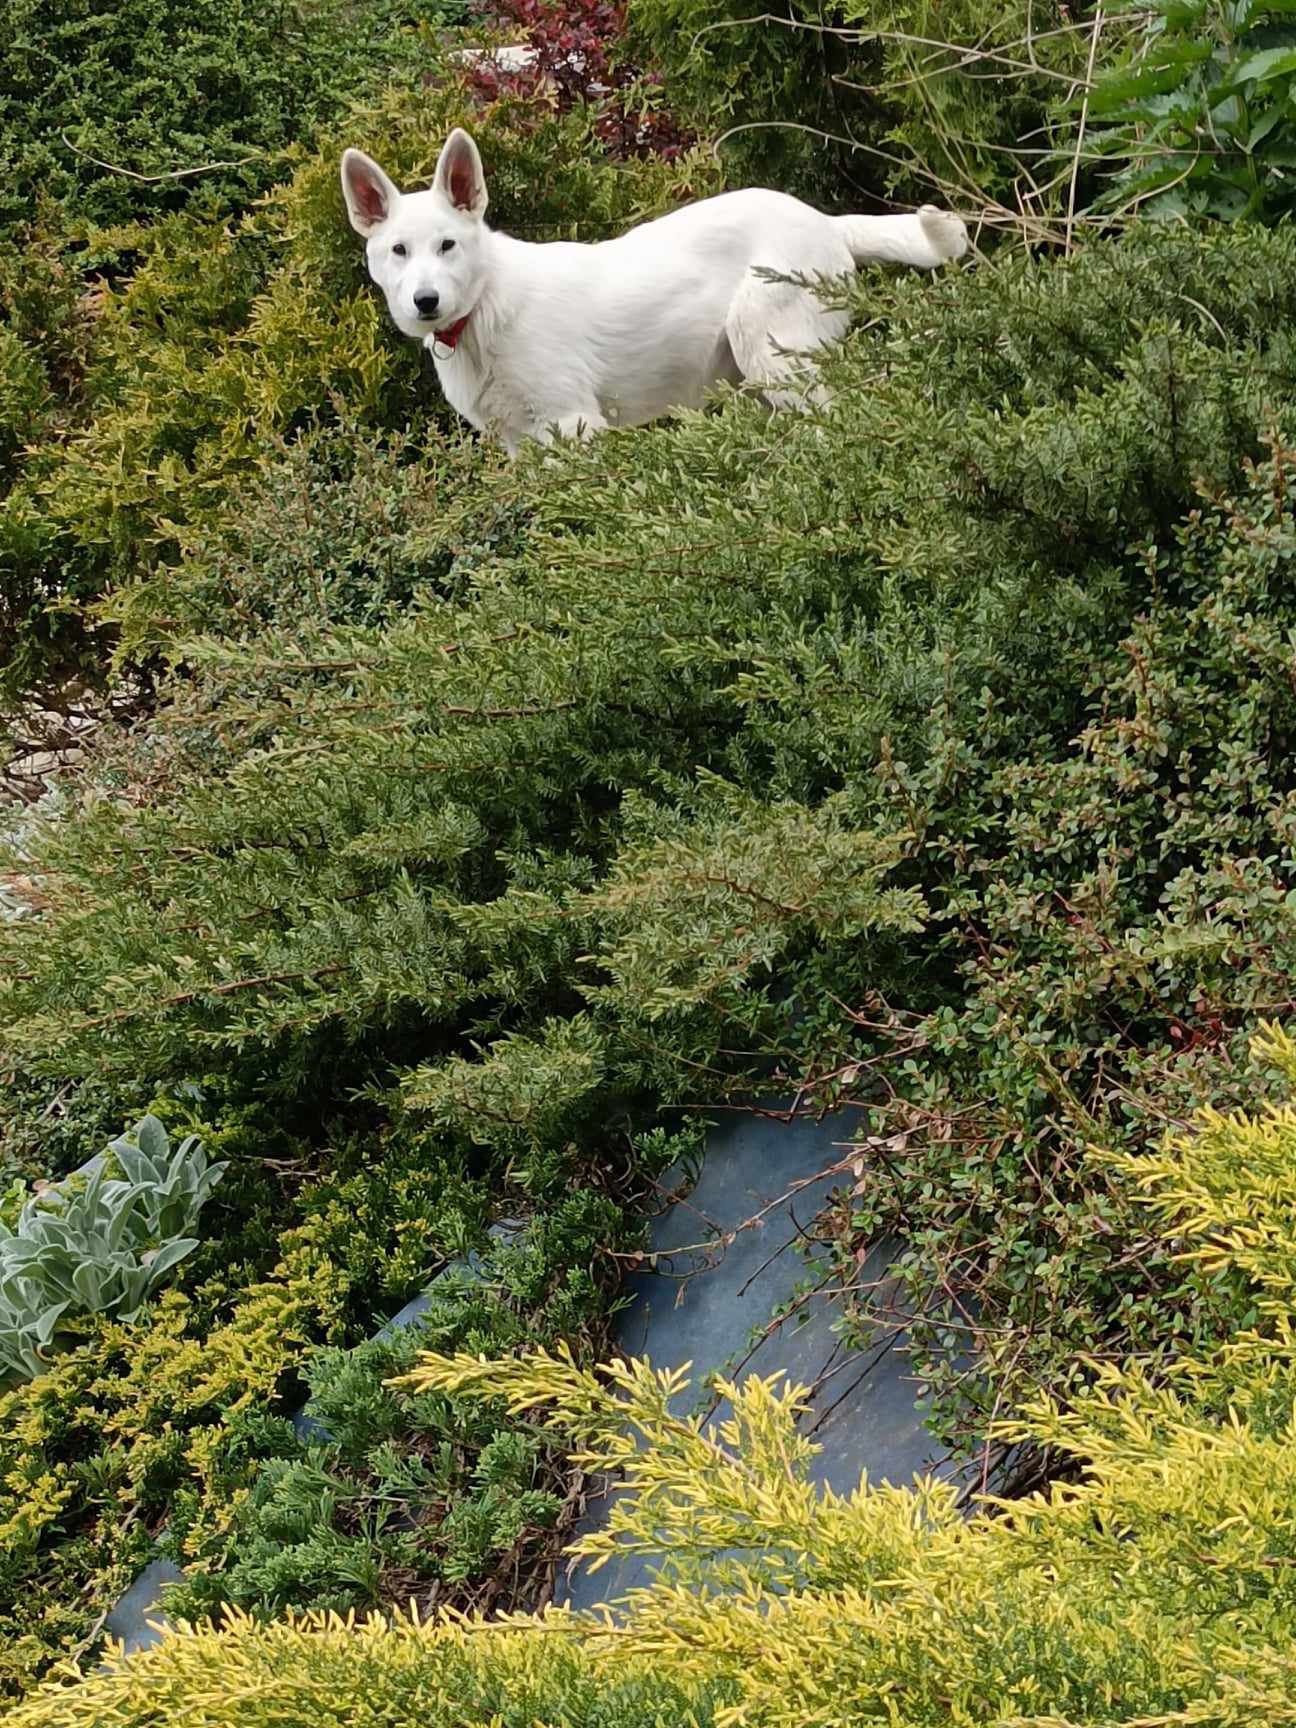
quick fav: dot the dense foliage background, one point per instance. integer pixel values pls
(159, 92)
(412, 828)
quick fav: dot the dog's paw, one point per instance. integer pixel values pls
(945, 233)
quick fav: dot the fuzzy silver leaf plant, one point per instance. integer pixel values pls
(99, 1242)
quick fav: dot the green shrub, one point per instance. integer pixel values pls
(393, 1495)
(45, 1127)
(329, 526)
(157, 90)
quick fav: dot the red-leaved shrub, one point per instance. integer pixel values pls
(578, 59)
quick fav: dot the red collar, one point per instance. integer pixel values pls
(449, 337)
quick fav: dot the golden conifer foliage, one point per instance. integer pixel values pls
(1157, 1589)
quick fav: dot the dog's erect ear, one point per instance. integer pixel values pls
(370, 195)
(459, 178)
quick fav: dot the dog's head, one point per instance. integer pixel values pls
(425, 250)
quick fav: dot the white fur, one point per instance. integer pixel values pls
(567, 339)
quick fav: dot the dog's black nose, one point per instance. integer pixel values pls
(427, 304)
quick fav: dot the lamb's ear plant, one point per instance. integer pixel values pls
(171, 1187)
(98, 1242)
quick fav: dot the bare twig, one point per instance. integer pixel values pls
(157, 179)
(1080, 130)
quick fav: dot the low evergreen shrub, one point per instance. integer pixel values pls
(391, 1497)
(362, 1676)
(1155, 1589)
(116, 111)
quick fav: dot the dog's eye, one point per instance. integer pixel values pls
(447, 245)
(398, 250)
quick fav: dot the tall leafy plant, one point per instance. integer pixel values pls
(1198, 118)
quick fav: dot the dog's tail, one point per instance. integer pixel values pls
(927, 238)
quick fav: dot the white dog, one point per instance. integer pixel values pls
(533, 340)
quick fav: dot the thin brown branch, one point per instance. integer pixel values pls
(158, 179)
(183, 997)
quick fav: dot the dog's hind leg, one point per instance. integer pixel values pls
(578, 426)
(774, 329)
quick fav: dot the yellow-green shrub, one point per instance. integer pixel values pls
(156, 1421)
(91, 1450)
(1158, 1588)
(334, 1673)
